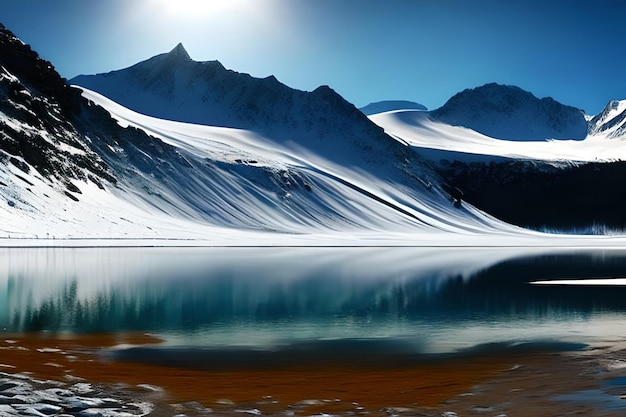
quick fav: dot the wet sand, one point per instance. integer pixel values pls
(507, 383)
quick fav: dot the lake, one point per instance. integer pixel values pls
(222, 311)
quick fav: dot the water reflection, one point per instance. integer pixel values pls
(430, 300)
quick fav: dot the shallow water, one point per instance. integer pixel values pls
(267, 308)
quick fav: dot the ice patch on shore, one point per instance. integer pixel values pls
(20, 395)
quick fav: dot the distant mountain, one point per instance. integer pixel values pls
(390, 105)
(508, 112)
(290, 164)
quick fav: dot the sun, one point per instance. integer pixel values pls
(198, 8)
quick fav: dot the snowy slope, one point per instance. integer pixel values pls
(442, 141)
(316, 192)
(495, 122)
(373, 209)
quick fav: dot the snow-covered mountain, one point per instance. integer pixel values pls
(467, 137)
(172, 86)
(390, 105)
(297, 167)
(508, 112)
(559, 184)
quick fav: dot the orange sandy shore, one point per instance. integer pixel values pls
(425, 386)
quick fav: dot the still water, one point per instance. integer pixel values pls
(316, 301)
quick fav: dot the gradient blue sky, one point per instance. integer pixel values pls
(420, 50)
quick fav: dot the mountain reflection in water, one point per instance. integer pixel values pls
(426, 300)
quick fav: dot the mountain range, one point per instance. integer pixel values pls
(172, 86)
(292, 166)
(550, 182)
(171, 148)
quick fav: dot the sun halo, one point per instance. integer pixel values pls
(198, 8)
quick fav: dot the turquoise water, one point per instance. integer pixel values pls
(347, 303)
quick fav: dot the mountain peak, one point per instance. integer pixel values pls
(180, 52)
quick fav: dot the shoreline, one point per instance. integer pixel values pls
(530, 240)
(511, 383)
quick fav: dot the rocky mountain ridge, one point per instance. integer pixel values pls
(611, 122)
(37, 131)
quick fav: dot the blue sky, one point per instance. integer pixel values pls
(420, 50)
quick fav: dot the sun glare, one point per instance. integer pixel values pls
(198, 8)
